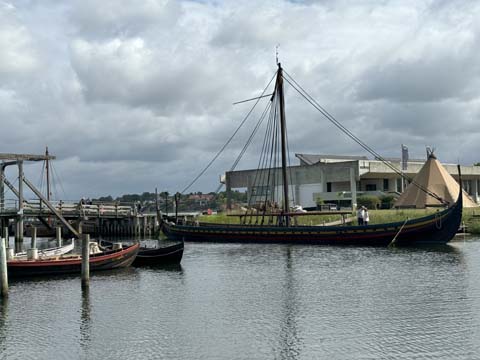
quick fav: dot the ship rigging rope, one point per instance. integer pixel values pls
(230, 139)
(55, 179)
(262, 163)
(340, 126)
(249, 141)
(42, 173)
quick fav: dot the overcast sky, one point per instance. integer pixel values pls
(133, 95)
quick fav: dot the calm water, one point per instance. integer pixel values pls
(230, 301)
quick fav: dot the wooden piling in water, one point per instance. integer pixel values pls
(5, 236)
(33, 244)
(80, 227)
(3, 270)
(18, 236)
(20, 223)
(85, 261)
(59, 235)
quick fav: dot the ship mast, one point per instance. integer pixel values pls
(283, 129)
(47, 172)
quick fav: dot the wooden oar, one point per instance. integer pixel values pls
(399, 231)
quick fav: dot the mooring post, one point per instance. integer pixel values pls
(59, 235)
(32, 253)
(85, 261)
(2, 187)
(5, 235)
(19, 237)
(34, 238)
(137, 226)
(3, 270)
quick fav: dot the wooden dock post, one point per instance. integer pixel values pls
(5, 236)
(80, 226)
(59, 235)
(32, 253)
(85, 261)
(20, 224)
(145, 218)
(17, 244)
(3, 270)
(33, 244)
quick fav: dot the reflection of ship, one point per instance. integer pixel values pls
(289, 338)
(274, 224)
(85, 320)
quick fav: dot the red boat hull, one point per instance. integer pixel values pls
(110, 259)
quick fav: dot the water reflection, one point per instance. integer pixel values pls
(3, 324)
(85, 320)
(263, 302)
(166, 267)
(289, 339)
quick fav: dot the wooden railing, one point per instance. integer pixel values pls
(72, 208)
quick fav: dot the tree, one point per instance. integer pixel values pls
(319, 201)
(387, 201)
(371, 202)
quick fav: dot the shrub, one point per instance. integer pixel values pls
(369, 201)
(386, 201)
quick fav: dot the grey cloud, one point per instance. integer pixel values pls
(112, 18)
(422, 80)
(130, 96)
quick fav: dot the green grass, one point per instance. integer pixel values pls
(471, 217)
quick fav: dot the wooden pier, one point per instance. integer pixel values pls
(75, 218)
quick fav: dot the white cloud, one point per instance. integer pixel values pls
(18, 53)
(132, 94)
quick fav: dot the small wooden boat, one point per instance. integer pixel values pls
(67, 264)
(45, 253)
(160, 255)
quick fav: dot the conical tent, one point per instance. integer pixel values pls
(434, 177)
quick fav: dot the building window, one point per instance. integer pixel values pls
(385, 185)
(329, 187)
(399, 185)
(466, 185)
(371, 187)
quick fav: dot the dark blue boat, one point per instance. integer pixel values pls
(162, 254)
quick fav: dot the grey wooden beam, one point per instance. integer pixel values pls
(25, 157)
(51, 207)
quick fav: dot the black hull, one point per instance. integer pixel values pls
(166, 255)
(108, 260)
(438, 228)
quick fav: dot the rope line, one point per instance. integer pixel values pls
(228, 141)
(340, 126)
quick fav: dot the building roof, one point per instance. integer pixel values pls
(397, 159)
(310, 159)
(435, 178)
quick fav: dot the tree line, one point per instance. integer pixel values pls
(194, 201)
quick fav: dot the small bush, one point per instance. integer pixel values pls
(386, 201)
(370, 202)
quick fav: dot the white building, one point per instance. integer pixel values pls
(341, 179)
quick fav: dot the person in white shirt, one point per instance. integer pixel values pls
(366, 217)
(360, 215)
